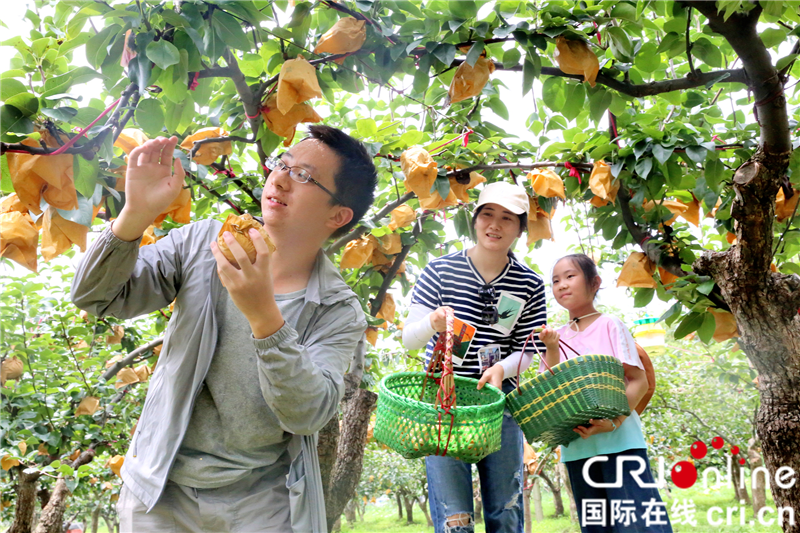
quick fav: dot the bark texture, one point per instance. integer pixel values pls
(26, 501)
(52, 517)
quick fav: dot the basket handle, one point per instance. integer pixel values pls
(561, 346)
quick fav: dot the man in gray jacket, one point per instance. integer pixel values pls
(250, 371)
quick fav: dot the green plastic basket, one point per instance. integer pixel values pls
(549, 406)
(416, 428)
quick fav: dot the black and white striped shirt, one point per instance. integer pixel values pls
(452, 280)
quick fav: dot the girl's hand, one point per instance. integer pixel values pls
(439, 318)
(494, 376)
(549, 337)
(595, 427)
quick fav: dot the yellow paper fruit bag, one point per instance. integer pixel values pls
(387, 311)
(208, 153)
(240, 227)
(180, 210)
(402, 216)
(284, 125)
(297, 82)
(637, 272)
(784, 208)
(547, 183)
(12, 203)
(725, 327)
(602, 183)
(469, 81)
(129, 139)
(347, 35)
(460, 189)
(575, 57)
(59, 234)
(390, 244)
(12, 368)
(88, 406)
(420, 170)
(676, 207)
(19, 239)
(357, 252)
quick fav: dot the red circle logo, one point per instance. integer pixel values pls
(717, 443)
(684, 474)
(699, 449)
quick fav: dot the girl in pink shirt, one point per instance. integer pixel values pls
(613, 448)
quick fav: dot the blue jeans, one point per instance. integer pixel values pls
(450, 486)
(629, 508)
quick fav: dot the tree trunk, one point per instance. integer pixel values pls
(26, 501)
(399, 505)
(350, 513)
(357, 405)
(757, 481)
(573, 509)
(478, 505)
(326, 450)
(96, 518)
(423, 505)
(526, 502)
(112, 523)
(555, 488)
(409, 503)
(536, 495)
(739, 487)
(764, 303)
(52, 517)
(337, 526)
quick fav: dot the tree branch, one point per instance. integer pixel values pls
(197, 144)
(522, 166)
(377, 302)
(361, 229)
(251, 102)
(130, 358)
(692, 72)
(644, 89)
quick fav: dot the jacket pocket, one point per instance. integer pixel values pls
(298, 500)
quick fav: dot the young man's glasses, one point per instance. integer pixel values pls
(298, 174)
(489, 313)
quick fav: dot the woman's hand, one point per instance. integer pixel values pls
(494, 376)
(596, 426)
(549, 337)
(439, 318)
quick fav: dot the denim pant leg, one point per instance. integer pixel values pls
(629, 508)
(501, 482)
(449, 492)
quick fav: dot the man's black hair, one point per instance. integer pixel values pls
(356, 178)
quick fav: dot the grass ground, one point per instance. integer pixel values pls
(383, 518)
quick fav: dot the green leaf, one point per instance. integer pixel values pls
(12, 120)
(442, 185)
(150, 116)
(84, 172)
(643, 167)
(707, 328)
(648, 59)
(706, 287)
(772, 36)
(163, 53)
(689, 324)
(61, 84)
(300, 12)
(497, 105)
(624, 10)
(475, 52)
(575, 96)
(528, 73)
(785, 60)
(621, 45)
(599, 102)
(714, 173)
(463, 10)
(25, 102)
(445, 53)
(696, 153)
(708, 52)
(367, 128)
(662, 153)
(511, 57)
(643, 297)
(421, 80)
(553, 93)
(231, 32)
(11, 87)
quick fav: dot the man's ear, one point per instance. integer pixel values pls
(341, 216)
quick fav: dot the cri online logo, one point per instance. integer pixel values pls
(684, 473)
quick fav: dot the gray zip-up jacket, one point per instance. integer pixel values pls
(301, 371)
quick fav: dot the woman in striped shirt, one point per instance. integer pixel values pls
(503, 299)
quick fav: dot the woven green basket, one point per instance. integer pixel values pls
(549, 406)
(414, 428)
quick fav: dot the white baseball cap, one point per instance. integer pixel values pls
(512, 197)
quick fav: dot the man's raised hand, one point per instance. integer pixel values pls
(151, 185)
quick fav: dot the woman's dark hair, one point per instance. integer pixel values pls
(356, 178)
(587, 266)
(523, 219)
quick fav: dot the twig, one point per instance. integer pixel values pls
(215, 193)
(689, 45)
(358, 231)
(74, 358)
(129, 359)
(377, 302)
(197, 144)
